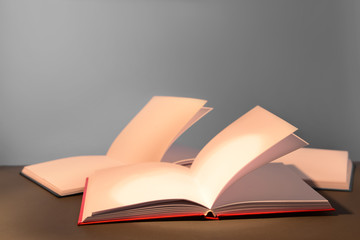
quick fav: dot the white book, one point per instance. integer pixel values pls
(321, 168)
(221, 181)
(145, 139)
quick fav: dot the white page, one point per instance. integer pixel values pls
(288, 144)
(139, 183)
(235, 148)
(273, 182)
(67, 175)
(151, 132)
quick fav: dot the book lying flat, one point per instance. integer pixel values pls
(321, 168)
(215, 185)
(145, 139)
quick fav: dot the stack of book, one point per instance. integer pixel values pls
(232, 175)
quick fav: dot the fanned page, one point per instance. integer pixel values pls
(256, 138)
(162, 120)
(142, 190)
(269, 189)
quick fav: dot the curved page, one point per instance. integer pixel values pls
(237, 147)
(285, 146)
(151, 132)
(272, 185)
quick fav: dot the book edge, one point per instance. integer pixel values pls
(142, 218)
(217, 217)
(51, 188)
(276, 212)
(42, 185)
(80, 222)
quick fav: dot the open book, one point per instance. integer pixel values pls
(145, 139)
(215, 185)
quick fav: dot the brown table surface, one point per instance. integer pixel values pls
(30, 212)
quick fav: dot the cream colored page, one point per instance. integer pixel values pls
(236, 147)
(272, 182)
(151, 132)
(139, 183)
(67, 175)
(318, 166)
(288, 144)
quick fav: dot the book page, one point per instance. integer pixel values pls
(151, 132)
(121, 187)
(236, 148)
(288, 144)
(67, 176)
(271, 183)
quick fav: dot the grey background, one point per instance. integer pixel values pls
(74, 72)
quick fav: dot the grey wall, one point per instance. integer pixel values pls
(74, 72)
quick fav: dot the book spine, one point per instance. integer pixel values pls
(211, 215)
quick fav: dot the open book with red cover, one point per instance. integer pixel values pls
(220, 182)
(145, 139)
